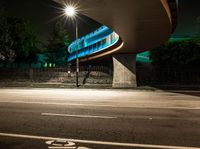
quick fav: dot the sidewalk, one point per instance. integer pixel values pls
(28, 84)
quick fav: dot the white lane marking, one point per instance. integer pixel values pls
(46, 103)
(102, 105)
(63, 144)
(60, 143)
(97, 142)
(51, 147)
(77, 116)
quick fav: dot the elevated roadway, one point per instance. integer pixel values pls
(141, 25)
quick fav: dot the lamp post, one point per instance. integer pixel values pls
(71, 12)
(77, 59)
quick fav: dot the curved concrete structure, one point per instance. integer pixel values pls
(141, 25)
(92, 45)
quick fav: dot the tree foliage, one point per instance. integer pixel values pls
(177, 54)
(26, 42)
(7, 52)
(18, 41)
(57, 45)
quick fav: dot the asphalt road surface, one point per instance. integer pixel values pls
(99, 119)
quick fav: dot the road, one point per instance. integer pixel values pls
(99, 119)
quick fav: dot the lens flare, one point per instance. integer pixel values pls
(70, 11)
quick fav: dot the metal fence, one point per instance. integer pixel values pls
(66, 74)
(146, 75)
(151, 76)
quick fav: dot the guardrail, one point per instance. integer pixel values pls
(96, 41)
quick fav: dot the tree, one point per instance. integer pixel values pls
(177, 54)
(18, 41)
(26, 42)
(7, 53)
(57, 45)
(197, 38)
(177, 62)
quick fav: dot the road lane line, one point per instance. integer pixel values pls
(77, 116)
(97, 142)
(102, 105)
(62, 147)
(48, 103)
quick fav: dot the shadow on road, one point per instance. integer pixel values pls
(191, 93)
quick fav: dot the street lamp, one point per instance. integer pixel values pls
(71, 12)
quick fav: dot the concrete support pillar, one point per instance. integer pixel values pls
(124, 75)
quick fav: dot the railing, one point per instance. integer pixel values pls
(88, 74)
(96, 41)
(143, 57)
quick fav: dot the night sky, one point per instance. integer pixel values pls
(42, 14)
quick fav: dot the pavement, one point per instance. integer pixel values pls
(31, 84)
(99, 119)
(57, 85)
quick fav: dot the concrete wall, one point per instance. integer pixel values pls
(124, 71)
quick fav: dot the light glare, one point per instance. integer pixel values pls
(70, 11)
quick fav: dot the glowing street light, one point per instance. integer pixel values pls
(71, 12)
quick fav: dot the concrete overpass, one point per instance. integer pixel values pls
(138, 25)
